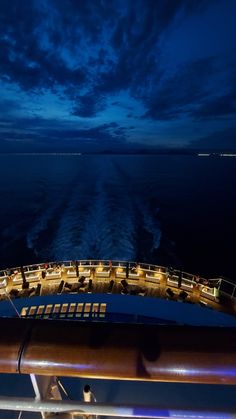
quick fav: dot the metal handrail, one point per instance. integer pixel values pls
(214, 282)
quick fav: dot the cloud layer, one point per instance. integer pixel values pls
(114, 72)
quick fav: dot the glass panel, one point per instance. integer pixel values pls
(40, 309)
(102, 310)
(72, 308)
(24, 311)
(48, 309)
(32, 310)
(95, 309)
(56, 308)
(87, 309)
(64, 308)
(79, 309)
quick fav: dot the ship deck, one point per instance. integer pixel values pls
(117, 277)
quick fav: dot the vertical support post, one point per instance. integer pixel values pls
(23, 274)
(127, 270)
(77, 268)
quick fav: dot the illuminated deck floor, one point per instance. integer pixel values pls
(130, 278)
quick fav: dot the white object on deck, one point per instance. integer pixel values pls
(210, 293)
(71, 274)
(187, 284)
(121, 274)
(153, 276)
(32, 277)
(84, 272)
(53, 275)
(17, 280)
(173, 281)
(103, 273)
(133, 275)
(3, 282)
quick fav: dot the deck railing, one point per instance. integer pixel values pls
(150, 273)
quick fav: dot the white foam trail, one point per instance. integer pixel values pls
(63, 246)
(106, 231)
(100, 219)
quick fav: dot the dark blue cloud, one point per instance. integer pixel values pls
(37, 134)
(219, 106)
(24, 56)
(180, 92)
(88, 105)
(99, 61)
(33, 42)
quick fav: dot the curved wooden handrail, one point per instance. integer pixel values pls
(118, 351)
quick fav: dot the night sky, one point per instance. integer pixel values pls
(101, 75)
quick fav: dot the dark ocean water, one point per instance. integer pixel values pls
(172, 210)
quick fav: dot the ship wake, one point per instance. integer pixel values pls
(100, 218)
